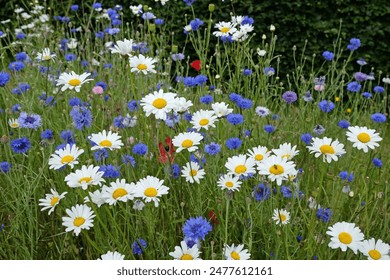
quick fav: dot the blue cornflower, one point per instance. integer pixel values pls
(148, 16)
(68, 136)
(47, 134)
(360, 77)
(100, 154)
(319, 129)
(138, 247)
(290, 97)
(177, 56)
(195, 24)
(82, 117)
(344, 124)
(190, 82)
(244, 103)
(227, 39)
(21, 88)
(354, 87)
(112, 31)
(65, 19)
(5, 166)
(200, 161)
(21, 36)
(343, 175)
(140, 149)
(74, 102)
(326, 106)
(16, 108)
(212, 148)
(32, 121)
(74, 7)
(324, 214)
(189, 2)
(233, 143)
(235, 118)
(187, 116)
(328, 55)
(4, 78)
(306, 137)
(377, 162)
(269, 71)
(275, 117)
(379, 89)
(16, 66)
(159, 21)
(366, 95)
(206, 99)
(110, 171)
(172, 119)
(175, 171)
(70, 57)
(286, 191)
(84, 63)
(97, 5)
(201, 79)
(378, 117)
(269, 128)
(196, 228)
(127, 159)
(21, 56)
(247, 72)
(20, 145)
(99, 34)
(261, 192)
(247, 20)
(354, 44)
(132, 105)
(116, 22)
(350, 177)
(235, 97)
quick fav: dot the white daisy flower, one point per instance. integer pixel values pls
(142, 64)
(72, 44)
(259, 153)
(158, 103)
(45, 55)
(80, 217)
(203, 119)
(111, 256)
(277, 169)
(363, 138)
(65, 156)
(181, 104)
(236, 252)
(124, 47)
(150, 189)
(136, 9)
(96, 198)
(375, 250)
(84, 177)
(281, 216)
(345, 235)
(240, 165)
(184, 253)
(187, 140)
(118, 191)
(72, 80)
(286, 151)
(224, 29)
(104, 140)
(329, 149)
(51, 200)
(229, 182)
(192, 172)
(13, 123)
(221, 109)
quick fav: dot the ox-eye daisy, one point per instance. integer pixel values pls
(84, 177)
(104, 140)
(240, 165)
(80, 217)
(184, 253)
(229, 182)
(124, 47)
(111, 256)
(281, 216)
(187, 141)
(363, 138)
(45, 55)
(51, 200)
(192, 172)
(375, 250)
(13, 123)
(158, 103)
(65, 156)
(345, 235)
(259, 153)
(236, 252)
(221, 109)
(150, 189)
(118, 191)
(224, 29)
(142, 64)
(285, 150)
(203, 119)
(329, 149)
(277, 169)
(72, 80)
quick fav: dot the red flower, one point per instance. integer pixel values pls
(196, 65)
(213, 217)
(166, 151)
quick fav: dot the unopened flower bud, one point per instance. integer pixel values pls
(211, 8)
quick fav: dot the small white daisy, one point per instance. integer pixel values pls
(158, 103)
(13, 123)
(203, 119)
(236, 252)
(80, 217)
(240, 165)
(345, 235)
(150, 189)
(192, 172)
(45, 55)
(363, 138)
(187, 141)
(51, 200)
(281, 216)
(224, 29)
(277, 169)
(329, 149)
(259, 153)
(181, 104)
(124, 47)
(221, 109)
(285, 150)
(112, 256)
(142, 64)
(72, 81)
(84, 177)
(375, 250)
(104, 140)
(96, 198)
(65, 156)
(229, 182)
(118, 191)
(184, 253)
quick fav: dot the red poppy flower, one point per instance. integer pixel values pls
(166, 151)
(213, 217)
(196, 65)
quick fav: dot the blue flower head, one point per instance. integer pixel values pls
(326, 106)
(377, 162)
(261, 192)
(110, 171)
(306, 137)
(32, 121)
(343, 124)
(324, 214)
(378, 117)
(139, 246)
(196, 228)
(206, 99)
(140, 149)
(233, 143)
(20, 145)
(354, 87)
(212, 148)
(328, 55)
(354, 44)
(82, 117)
(235, 119)
(4, 78)
(269, 128)
(5, 166)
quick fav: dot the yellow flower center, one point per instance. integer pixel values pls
(345, 237)
(85, 180)
(193, 172)
(229, 184)
(327, 149)
(282, 217)
(276, 169)
(186, 257)
(142, 66)
(235, 255)
(67, 159)
(375, 254)
(150, 192)
(159, 103)
(203, 122)
(240, 169)
(54, 200)
(187, 143)
(74, 82)
(14, 125)
(78, 221)
(105, 143)
(364, 137)
(225, 29)
(46, 57)
(337, 99)
(119, 192)
(286, 156)
(259, 157)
